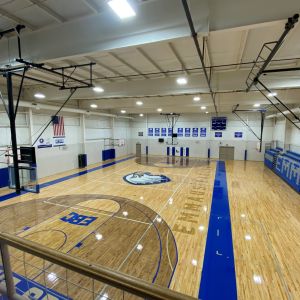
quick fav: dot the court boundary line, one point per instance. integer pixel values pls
(65, 178)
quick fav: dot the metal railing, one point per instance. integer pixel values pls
(104, 275)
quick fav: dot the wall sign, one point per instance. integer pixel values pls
(187, 132)
(150, 131)
(238, 134)
(157, 131)
(164, 132)
(59, 141)
(180, 132)
(218, 134)
(169, 131)
(44, 143)
(195, 132)
(202, 132)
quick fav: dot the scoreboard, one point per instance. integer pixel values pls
(218, 123)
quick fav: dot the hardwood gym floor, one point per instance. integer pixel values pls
(158, 232)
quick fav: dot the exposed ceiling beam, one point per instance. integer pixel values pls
(92, 6)
(179, 59)
(53, 14)
(242, 48)
(102, 65)
(127, 64)
(15, 19)
(87, 70)
(77, 76)
(149, 59)
(209, 61)
(41, 75)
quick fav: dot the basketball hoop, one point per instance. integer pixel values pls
(171, 119)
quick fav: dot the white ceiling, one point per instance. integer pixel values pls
(146, 67)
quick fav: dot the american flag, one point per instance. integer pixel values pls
(58, 126)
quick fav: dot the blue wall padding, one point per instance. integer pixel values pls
(168, 151)
(181, 151)
(108, 154)
(187, 151)
(3, 177)
(173, 151)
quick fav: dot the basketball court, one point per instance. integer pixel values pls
(158, 160)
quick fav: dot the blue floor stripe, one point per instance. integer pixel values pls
(218, 274)
(46, 184)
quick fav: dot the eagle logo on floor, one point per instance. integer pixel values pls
(144, 178)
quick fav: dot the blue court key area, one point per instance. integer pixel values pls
(218, 274)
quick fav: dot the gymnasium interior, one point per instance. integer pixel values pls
(149, 149)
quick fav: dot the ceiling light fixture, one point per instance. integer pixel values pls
(122, 8)
(139, 103)
(206, 112)
(197, 98)
(39, 96)
(256, 105)
(159, 110)
(181, 81)
(272, 94)
(203, 107)
(93, 105)
(98, 89)
(123, 111)
(141, 115)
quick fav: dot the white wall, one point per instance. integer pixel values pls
(82, 136)
(292, 139)
(199, 146)
(279, 132)
(87, 133)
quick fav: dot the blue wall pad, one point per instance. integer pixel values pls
(168, 151)
(208, 153)
(181, 151)
(289, 170)
(218, 274)
(173, 151)
(245, 155)
(147, 150)
(187, 151)
(108, 154)
(3, 177)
